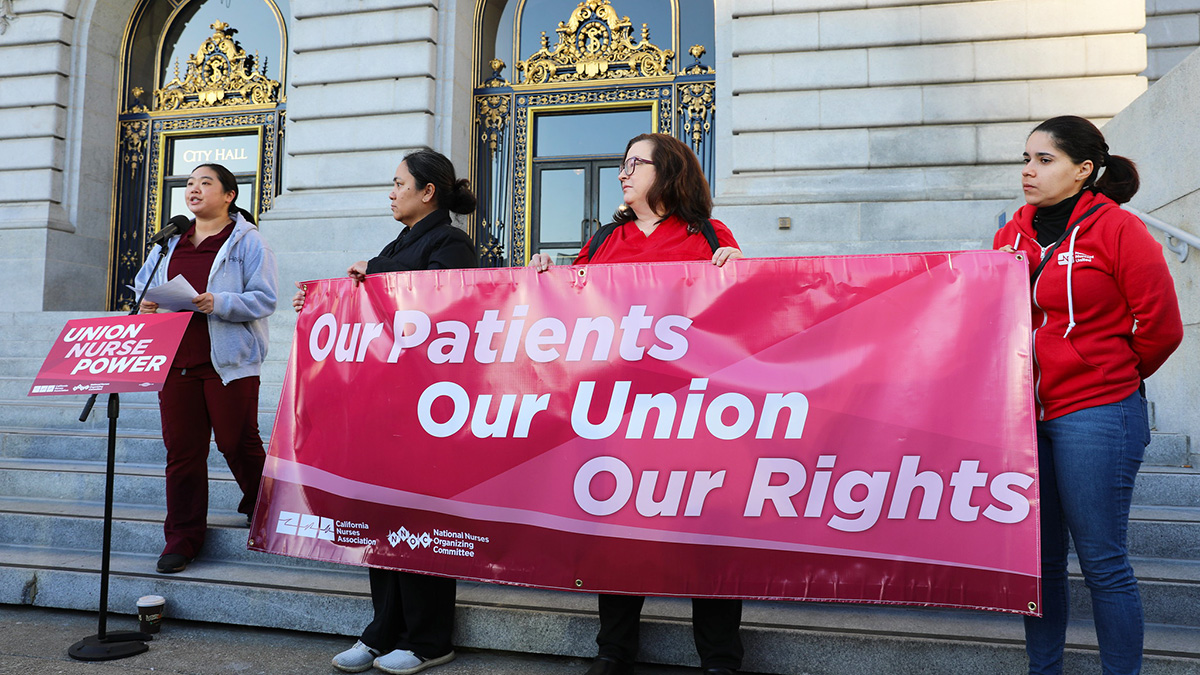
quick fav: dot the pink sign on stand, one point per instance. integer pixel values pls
(111, 354)
(845, 428)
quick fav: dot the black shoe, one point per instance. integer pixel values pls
(719, 671)
(171, 563)
(603, 665)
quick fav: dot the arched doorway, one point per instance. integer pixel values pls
(547, 144)
(202, 81)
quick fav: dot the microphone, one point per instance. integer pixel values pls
(174, 226)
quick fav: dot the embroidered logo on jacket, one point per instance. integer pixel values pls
(1064, 258)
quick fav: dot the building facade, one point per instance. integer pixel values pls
(826, 126)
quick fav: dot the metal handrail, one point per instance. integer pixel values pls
(1177, 239)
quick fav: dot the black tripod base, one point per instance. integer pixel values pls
(112, 646)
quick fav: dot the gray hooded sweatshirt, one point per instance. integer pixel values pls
(242, 281)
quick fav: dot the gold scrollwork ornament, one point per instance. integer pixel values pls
(496, 79)
(698, 68)
(493, 115)
(696, 102)
(133, 143)
(595, 44)
(220, 73)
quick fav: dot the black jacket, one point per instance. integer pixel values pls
(433, 243)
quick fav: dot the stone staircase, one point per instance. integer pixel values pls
(51, 501)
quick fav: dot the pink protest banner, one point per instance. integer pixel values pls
(843, 428)
(111, 354)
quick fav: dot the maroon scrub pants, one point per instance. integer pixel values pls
(195, 406)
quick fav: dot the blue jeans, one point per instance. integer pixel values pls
(1088, 460)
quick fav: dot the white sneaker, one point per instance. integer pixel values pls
(356, 659)
(404, 662)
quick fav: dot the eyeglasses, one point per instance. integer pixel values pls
(629, 165)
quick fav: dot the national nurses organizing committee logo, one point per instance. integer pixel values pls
(444, 542)
(403, 536)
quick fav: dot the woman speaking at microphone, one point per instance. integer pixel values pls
(666, 216)
(414, 613)
(212, 386)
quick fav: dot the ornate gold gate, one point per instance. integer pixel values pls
(599, 74)
(223, 108)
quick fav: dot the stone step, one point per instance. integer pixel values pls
(46, 326)
(20, 366)
(273, 370)
(21, 320)
(34, 347)
(62, 412)
(90, 445)
(1170, 590)
(1161, 486)
(28, 366)
(17, 388)
(41, 523)
(1154, 531)
(780, 637)
(28, 355)
(85, 481)
(1167, 449)
(1164, 532)
(1156, 485)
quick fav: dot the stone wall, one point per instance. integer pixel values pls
(370, 80)
(895, 125)
(1172, 34)
(1148, 132)
(58, 111)
(35, 64)
(874, 125)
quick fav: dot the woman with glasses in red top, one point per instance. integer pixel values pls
(666, 216)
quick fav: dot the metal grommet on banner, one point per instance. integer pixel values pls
(579, 583)
(1033, 606)
(582, 272)
(1020, 256)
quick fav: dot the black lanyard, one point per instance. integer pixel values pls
(1050, 252)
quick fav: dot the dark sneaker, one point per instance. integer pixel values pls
(171, 563)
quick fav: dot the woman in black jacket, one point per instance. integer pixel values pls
(414, 613)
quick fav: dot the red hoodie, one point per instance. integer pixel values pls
(1105, 315)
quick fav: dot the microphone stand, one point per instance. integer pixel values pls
(105, 646)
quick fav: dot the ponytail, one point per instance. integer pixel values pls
(1119, 181)
(460, 198)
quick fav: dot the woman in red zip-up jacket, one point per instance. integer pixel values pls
(1105, 317)
(665, 213)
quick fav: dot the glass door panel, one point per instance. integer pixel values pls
(562, 208)
(574, 185)
(609, 195)
(589, 133)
